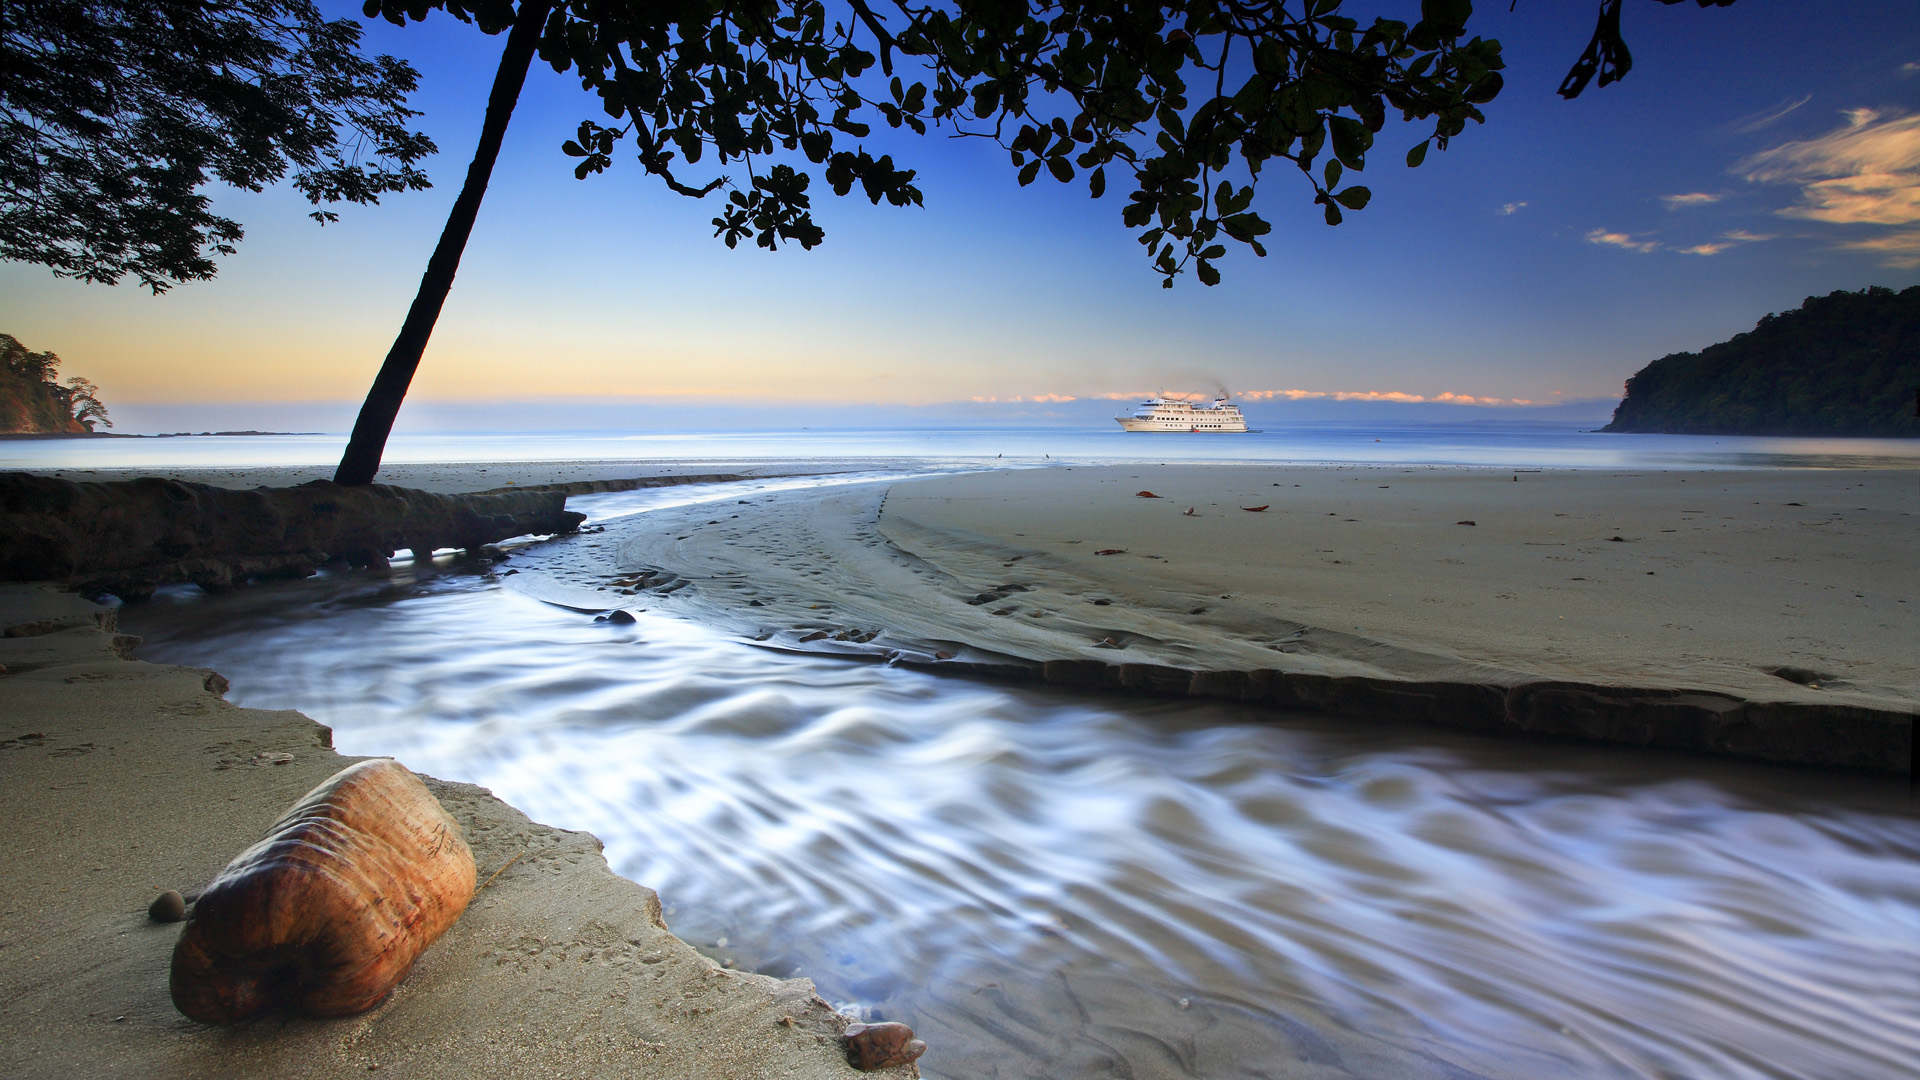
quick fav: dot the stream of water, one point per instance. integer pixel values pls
(1052, 885)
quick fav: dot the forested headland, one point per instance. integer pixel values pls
(33, 400)
(1847, 363)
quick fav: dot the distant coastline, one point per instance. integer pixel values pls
(117, 435)
(1846, 364)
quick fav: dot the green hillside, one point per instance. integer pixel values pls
(1843, 364)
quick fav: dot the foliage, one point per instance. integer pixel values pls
(32, 398)
(82, 399)
(1190, 99)
(23, 363)
(115, 114)
(1843, 364)
(1607, 54)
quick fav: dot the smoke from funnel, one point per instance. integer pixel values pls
(1190, 377)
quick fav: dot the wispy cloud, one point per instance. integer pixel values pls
(1730, 239)
(1445, 397)
(1864, 173)
(1696, 198)
(1911, 67)
(1044, 399)
(1901, 249)
(1768, 118)
(1621, 240)
(1399, 396)
(1142, 395)
(1512, 208)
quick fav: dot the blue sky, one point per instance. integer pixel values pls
(1756, 155)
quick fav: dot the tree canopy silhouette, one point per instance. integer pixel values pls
(1189, 103)
(1607, 55)
(115, 114)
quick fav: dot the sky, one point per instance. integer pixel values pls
(1756, 155)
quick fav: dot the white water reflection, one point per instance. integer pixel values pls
(1050, 885)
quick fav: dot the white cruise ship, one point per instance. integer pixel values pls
(1171, 414)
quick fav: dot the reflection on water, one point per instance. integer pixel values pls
(1047, 885)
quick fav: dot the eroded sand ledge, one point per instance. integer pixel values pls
(120, 778)
(1758, 614)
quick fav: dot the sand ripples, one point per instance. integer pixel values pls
(1048, 885)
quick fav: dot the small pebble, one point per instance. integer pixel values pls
(881, 1046)
(169, 906)
(622, 618)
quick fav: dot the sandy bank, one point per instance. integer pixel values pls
(120, 778)
(1762, 614)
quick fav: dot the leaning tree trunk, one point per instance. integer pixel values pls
(362, 458)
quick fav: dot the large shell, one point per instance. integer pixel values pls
(328, 912)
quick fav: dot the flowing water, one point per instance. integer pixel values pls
(1052, 885)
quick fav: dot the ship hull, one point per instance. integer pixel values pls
(1128, 423)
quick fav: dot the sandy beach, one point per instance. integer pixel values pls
(1777, 605)
(119, 779)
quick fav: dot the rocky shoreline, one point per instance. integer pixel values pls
(130, 537)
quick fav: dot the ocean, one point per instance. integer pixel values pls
(1497, 445)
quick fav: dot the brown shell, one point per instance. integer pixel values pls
(328, 912)
(881, 1046)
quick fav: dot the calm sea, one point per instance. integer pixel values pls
(1531, 445)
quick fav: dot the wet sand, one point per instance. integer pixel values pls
(1779, 606)
(120, 778)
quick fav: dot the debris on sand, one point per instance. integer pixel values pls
(347, 890)
(881, 1046)
(169, 906)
